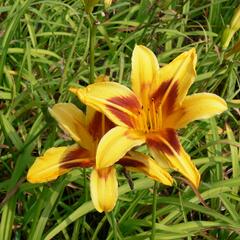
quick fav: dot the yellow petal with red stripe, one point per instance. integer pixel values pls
(174, 81)
(98, 124)
(104, 189)
(195, 107)
(116, 101)
(144, 72)
(166, 142)
(115, 144)
(72, 120)
(136, 161)
(57, 161)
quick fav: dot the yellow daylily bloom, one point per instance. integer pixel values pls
(86, 131)
(152, 111)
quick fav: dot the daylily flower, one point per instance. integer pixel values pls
(86, 131)
(152, 111)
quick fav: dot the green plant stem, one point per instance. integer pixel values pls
(114, 226)
(155, 188)
(92, 48)
(86, 198)
(112, 221)
(67, 67)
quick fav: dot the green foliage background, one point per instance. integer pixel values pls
(44, 48)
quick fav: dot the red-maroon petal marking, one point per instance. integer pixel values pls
(171, 99)
(165, 141)
(129, 103)
(108, 124)
(80, 154)
(103, 173)
(96, 125)
(124, 117)
(166, 94)
(160, 92)
(130, 163)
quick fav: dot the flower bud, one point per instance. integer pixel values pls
(107, 3)
(89, 5)
(231, 30)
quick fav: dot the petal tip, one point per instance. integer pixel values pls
(192, 50)
(196, 183)
(73, 90)
(225, 106)
(169, 181)
(104, 189)
(193, 54)
(30, 178)
(195, 179)
(78, 91)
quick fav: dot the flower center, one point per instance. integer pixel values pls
(150, 118)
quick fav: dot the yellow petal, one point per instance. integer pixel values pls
(72, 120)
(104, 188)
(195, 107)
(144, 72)
(57, 161)
(115, 144)
(166, 143)
(116, 101)
(174, 82)
(97, 123)
(107, 3)
(136, 161)
(159, 157)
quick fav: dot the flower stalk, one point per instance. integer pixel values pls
(154, 209)
(114, 226)
(92, 48)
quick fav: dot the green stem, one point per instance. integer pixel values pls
(67, 67)
(92, 48)
(112, 221)
(154, 208)
(114, 226)
(86, 198)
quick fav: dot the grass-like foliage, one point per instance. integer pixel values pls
(46, 47)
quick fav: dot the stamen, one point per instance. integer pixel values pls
(139, 121)
(150, 119)
(159, 117)
(144, 120)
